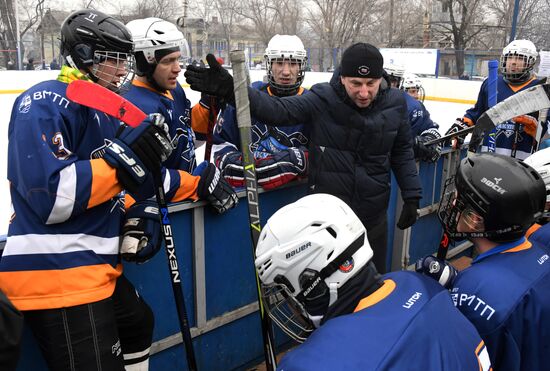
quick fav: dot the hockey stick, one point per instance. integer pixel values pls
(543, 114)
(240, 81)
(209, 133)
(97, 97)
(492, 99)
(447, 137)
(521, 103)
(478, 130)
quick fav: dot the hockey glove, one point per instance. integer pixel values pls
(458, 141)
(230, 164)
(214, 80)
(279, 168)
(529, 124)
(138, 151)
(141, 234)
(213, 187)
(427, 153)
(438, 269)
(409, 214)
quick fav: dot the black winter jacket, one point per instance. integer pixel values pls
(351, 150)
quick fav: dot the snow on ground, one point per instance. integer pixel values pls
(441, 112)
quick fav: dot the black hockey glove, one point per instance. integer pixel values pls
(138, 151)
(281, 167)
(213, 187)
(141, 234)
(427, 153)
(214, 80)
(230, 164)
(438, 269)
(458, 141)
(409, 214)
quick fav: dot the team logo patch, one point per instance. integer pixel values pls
(347, 266)
(25, 104)
(363, 70)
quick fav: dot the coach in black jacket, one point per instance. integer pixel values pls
(359, 132)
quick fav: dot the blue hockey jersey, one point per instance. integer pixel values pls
(505, 294)
(226, 132)
(410, 323)
(63, 240)
(505, 133)
(176, 109)
(419, 117)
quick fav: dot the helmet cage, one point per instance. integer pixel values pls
(292, 311)
(526, 51)
(292, 56)
(105, 66)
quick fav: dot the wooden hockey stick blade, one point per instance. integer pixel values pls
(102, 99)
(444, 138)
(521, 103)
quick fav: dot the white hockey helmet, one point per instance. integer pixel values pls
(540, 161)
(413, 86)
(395, 73)
(527, 52)
(154, 38)
(306, 252)
(281, 48)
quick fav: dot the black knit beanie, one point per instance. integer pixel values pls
(362, 60)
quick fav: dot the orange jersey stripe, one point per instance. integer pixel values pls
(199, 119)
(188, 187)
(49, 289)
(105, 184)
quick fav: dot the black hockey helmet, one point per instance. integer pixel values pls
(496, 196)
(88, 37)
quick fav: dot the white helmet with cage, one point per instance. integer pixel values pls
(153, 39)
(413, 86)
(395, 73)
(525, 52)
(306, 252)
(285, 48)
(540, 161)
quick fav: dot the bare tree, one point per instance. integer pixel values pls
(29, 16)
(466, 22)
(338, 23)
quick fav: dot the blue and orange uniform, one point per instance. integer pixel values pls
(226, 133)
(504, 293)
(518, 133)
(62, 247)
(185, 123)
(389, 330)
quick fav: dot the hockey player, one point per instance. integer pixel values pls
(159, 49)
(323, 288)
(359, 134)
(68, 166)
(423, 128)
(515, 137)
(280, 152)
(493, 201)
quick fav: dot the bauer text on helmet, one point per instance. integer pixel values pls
(307, 251)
